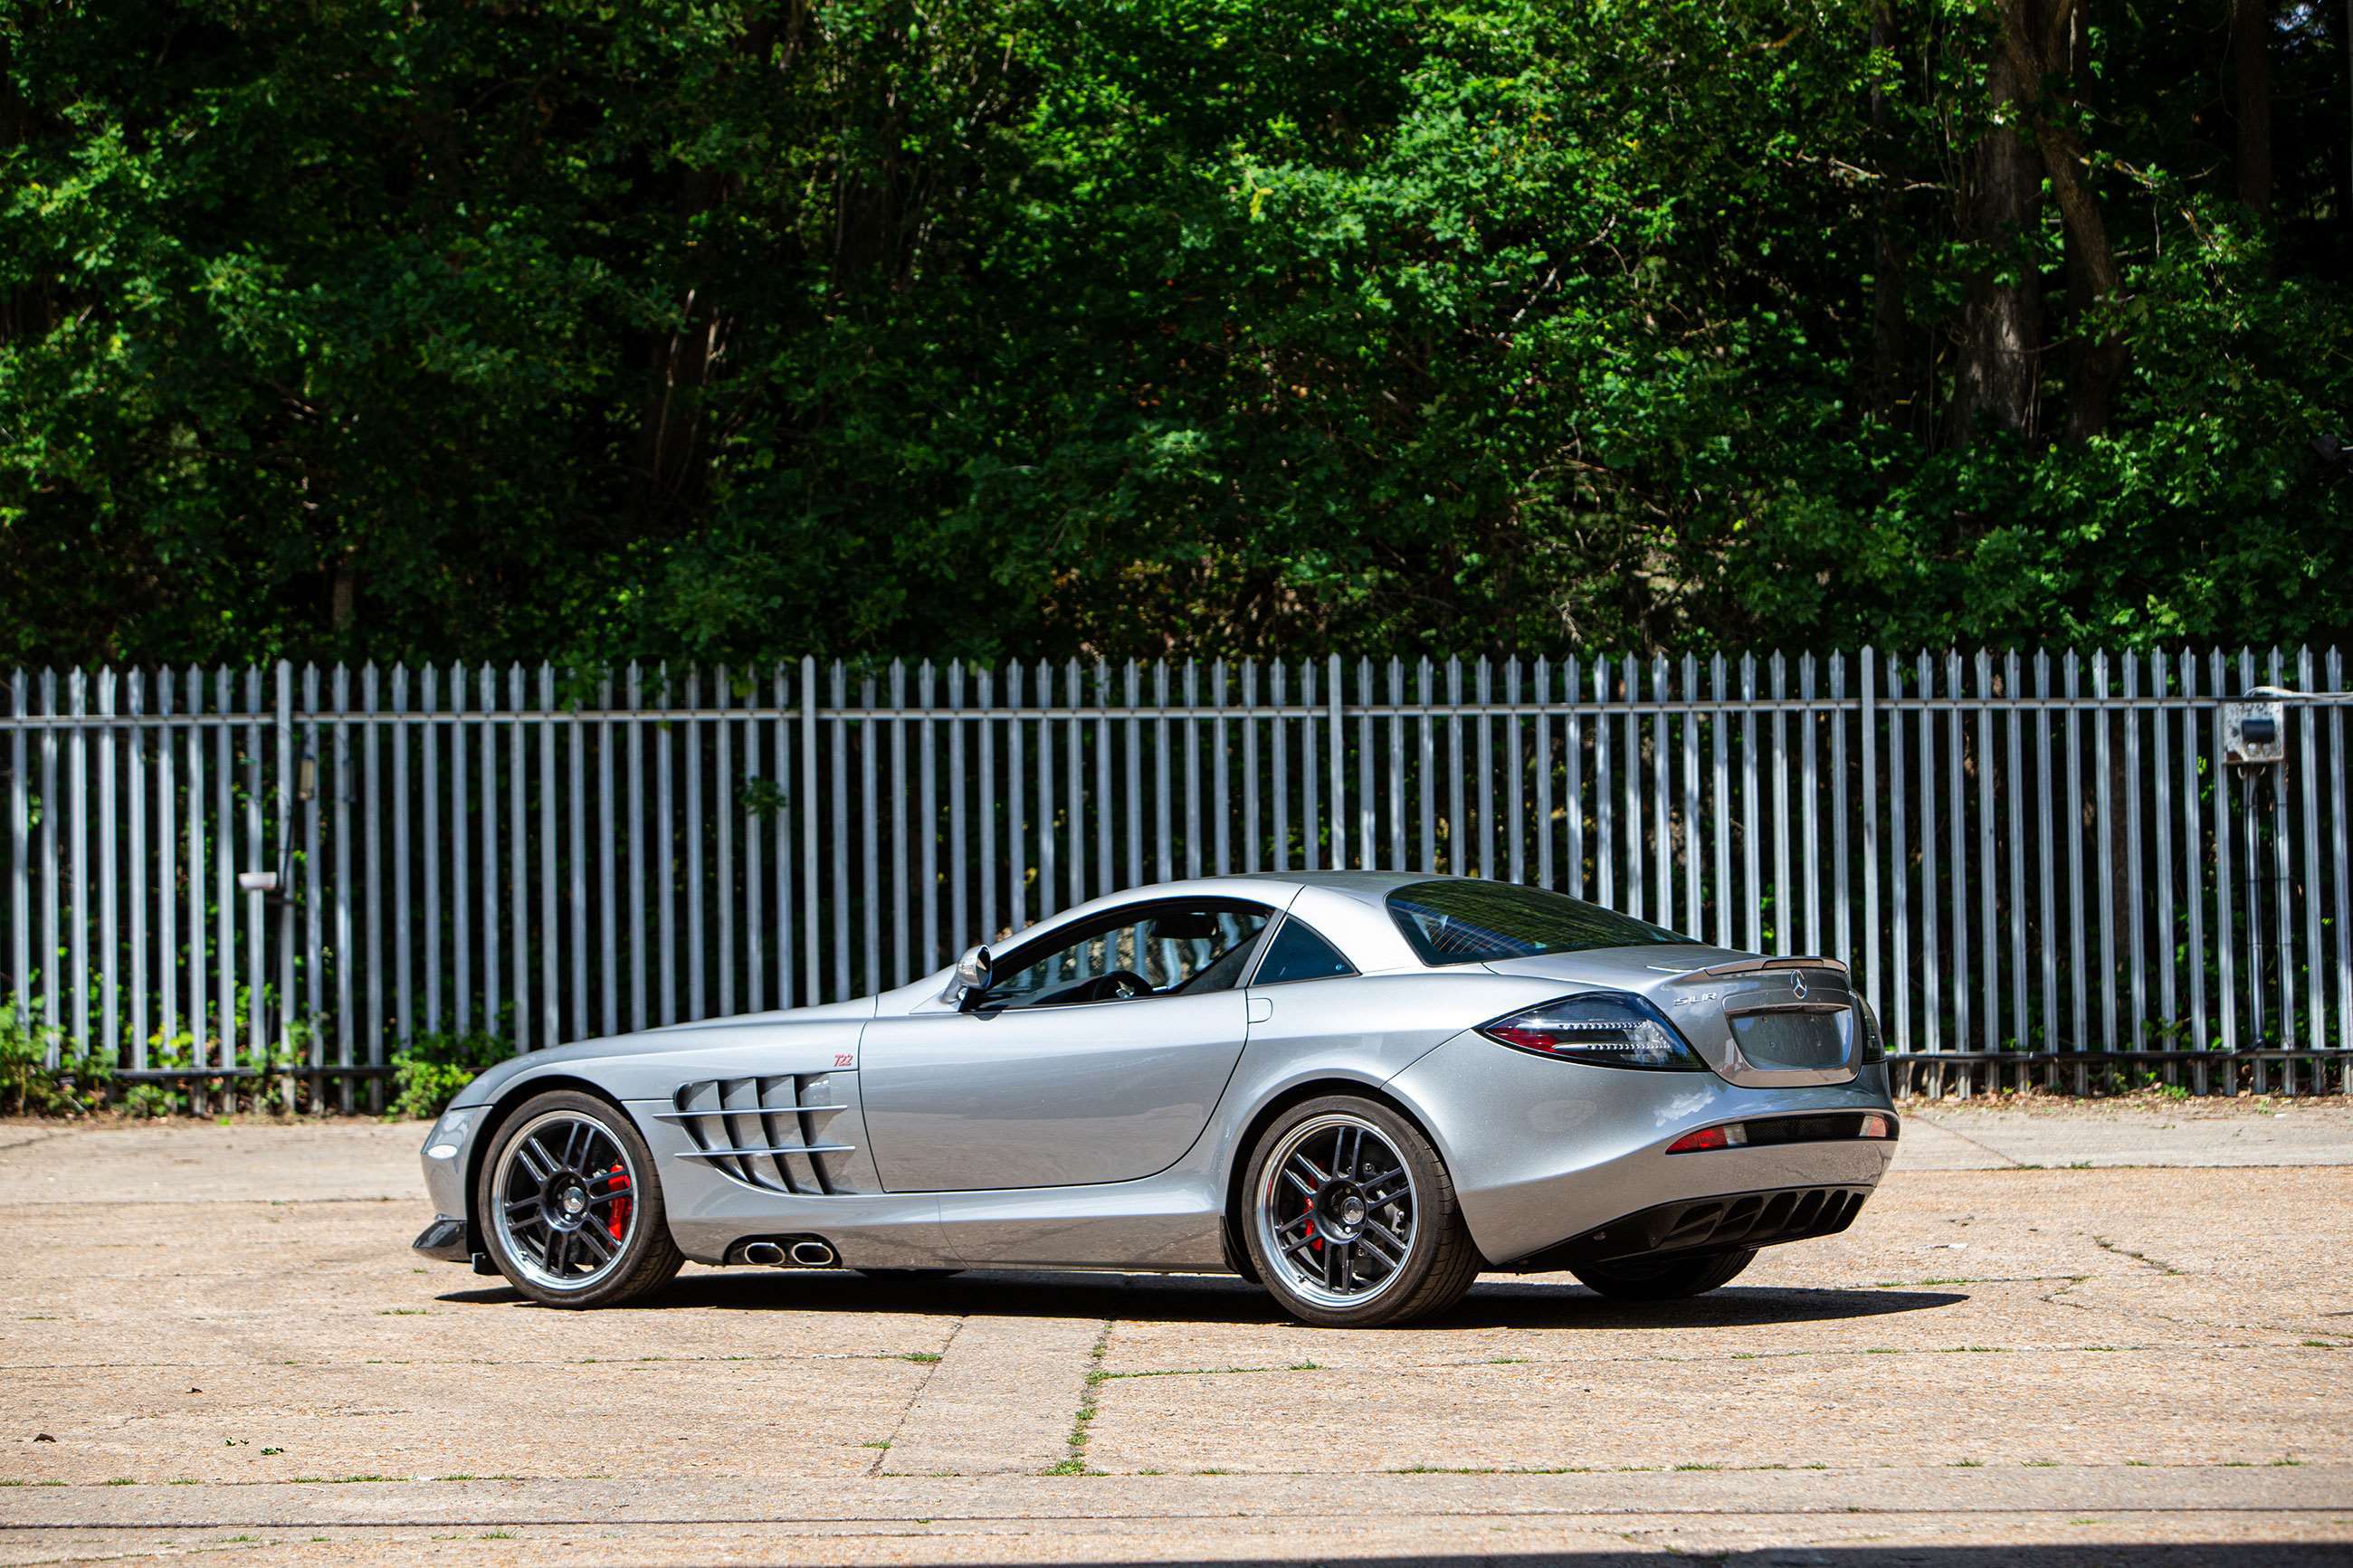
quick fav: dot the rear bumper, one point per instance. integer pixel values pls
(1544, 1152)
(1699, 1226)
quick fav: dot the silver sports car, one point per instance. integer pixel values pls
(1358, 1089)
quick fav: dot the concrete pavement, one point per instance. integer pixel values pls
(2058, 1335)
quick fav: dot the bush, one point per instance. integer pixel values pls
(429, 1072)
(29, 1086)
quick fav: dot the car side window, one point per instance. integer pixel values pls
(1159, 951)
(1298, 953)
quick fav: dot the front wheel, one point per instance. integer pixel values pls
(571, 1210)
(1661, 1279)
(1352, 1219)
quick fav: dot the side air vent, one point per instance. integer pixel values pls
(766, 1132)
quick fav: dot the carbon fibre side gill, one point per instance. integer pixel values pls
(783, 1133)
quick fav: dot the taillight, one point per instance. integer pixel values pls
(1820, 1129)
(1875, 1045)
(1733, 1136)
(1604, 1028)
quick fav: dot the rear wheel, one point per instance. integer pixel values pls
(1351, 1220)
(1661, 1279)
(572, 1213)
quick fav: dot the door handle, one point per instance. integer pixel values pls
(1261, 1008)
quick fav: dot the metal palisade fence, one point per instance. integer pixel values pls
(2044, 866)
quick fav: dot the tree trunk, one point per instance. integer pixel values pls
(2093, 365)
(2040, 50)
(2251, 100)
(679, 365)
(25, 312)
(342, 597)
(1891, 387)
(2002, 322)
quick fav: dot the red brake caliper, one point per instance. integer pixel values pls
(620, 1220)
(1315, 1241)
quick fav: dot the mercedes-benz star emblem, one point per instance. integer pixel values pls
(1797, 984)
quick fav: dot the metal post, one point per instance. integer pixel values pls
(1340, 772)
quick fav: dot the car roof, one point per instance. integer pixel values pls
(1347, 908)
(1370, 882)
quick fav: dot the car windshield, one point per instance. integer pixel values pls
(1473, 921)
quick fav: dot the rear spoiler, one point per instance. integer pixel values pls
(1798, 1001)
(1758, 965)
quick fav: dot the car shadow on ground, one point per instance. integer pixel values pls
(2075, 1554)
(1550, 1301)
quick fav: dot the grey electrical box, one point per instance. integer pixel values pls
(2254, 729)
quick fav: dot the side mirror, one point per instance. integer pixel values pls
(971, 981)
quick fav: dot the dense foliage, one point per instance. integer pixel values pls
(31, 1086)
(356, 328)
(427, 1072)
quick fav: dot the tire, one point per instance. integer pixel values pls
(1359, 1271)
(570, 1209)
(1665, 1280)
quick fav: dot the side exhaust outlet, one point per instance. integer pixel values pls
(789, 1252)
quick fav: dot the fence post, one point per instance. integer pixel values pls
(77, 937)
(20, 881)
(109, 944)
(809, 970)
(1339, 772)
(1867, 701)
(2343, 864)
(284, 824)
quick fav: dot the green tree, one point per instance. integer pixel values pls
(994, 328)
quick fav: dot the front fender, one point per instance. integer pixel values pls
(650, 1063)
(640, 1073)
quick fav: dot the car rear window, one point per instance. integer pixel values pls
(1473, 921)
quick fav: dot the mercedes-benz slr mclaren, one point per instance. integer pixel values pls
(1358, 1089)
